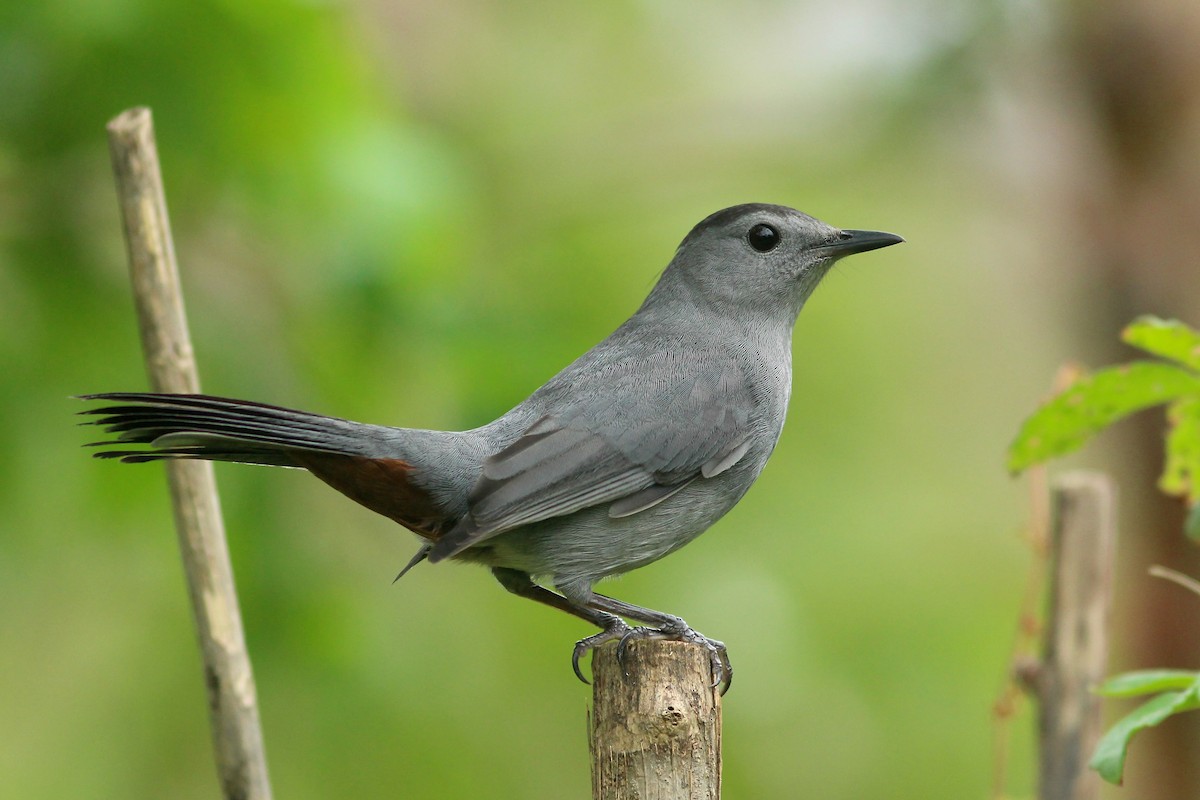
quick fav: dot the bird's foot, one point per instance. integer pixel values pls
(614, 628)
(679, 631)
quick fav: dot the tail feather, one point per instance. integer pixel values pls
(137, 426)
(367, 463)
(207, 449)
(216, 429)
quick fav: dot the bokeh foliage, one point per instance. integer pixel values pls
(413, 214)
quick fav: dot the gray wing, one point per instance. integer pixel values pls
(620, 438)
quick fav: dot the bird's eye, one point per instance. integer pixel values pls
(763, 238)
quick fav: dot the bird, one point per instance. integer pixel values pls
(626, 455)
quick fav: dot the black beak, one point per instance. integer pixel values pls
(850, 242)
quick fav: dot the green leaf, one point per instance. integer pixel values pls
(1148, 681)
(1181, 475)
(1109, 758)
(1168, 338)
(1091, 404)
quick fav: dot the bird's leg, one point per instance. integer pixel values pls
(666, 626)
(611, 625)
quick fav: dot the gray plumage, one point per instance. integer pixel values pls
(625, 455)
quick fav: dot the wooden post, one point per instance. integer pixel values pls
(655, 726)
(166, 345)
(1075, 643)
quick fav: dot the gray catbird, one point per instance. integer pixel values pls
(626, 455)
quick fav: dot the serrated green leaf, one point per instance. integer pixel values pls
(1109, 758)
(1148, 681)
(1091, 404)
(1168, 338)
(1181, 475)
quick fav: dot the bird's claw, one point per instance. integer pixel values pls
(616, 629)
(718, 655)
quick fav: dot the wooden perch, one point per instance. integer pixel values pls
(655, 726)
(237, 737)
(1075, 644)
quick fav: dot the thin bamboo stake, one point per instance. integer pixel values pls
(655, 725)
(166, 345)
(1076, 636)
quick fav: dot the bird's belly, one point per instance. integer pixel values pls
(577, 550)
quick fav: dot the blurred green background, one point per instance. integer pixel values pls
(414, 213)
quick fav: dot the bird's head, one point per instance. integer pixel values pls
(760, 256)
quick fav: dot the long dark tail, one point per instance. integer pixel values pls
(363, 462)
(218, 429)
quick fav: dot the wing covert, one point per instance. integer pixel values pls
(635, 444)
